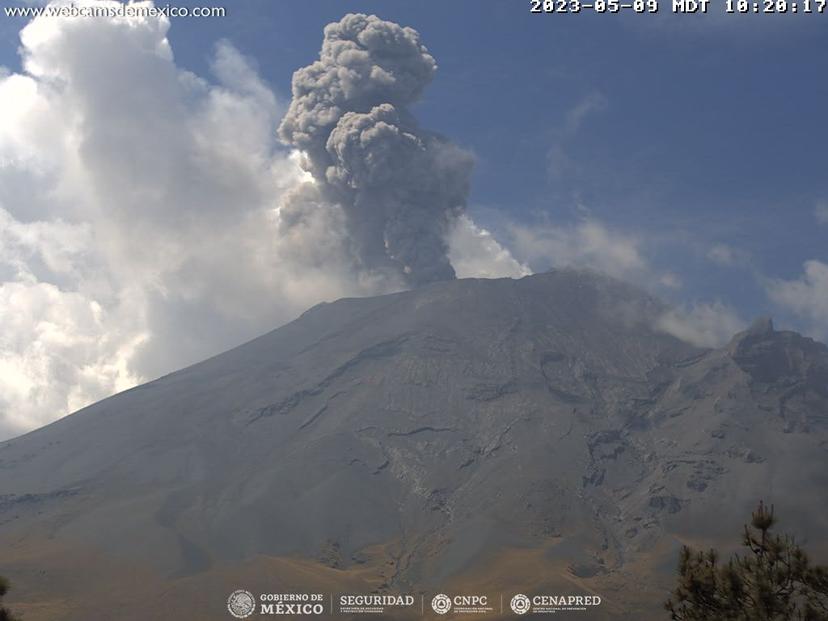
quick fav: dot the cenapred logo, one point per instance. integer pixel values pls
(520, 604)
(441, 604)
(550, 604)
(241, 604)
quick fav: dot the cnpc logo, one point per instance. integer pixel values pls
(442, 603)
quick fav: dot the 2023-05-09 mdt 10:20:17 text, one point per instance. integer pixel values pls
(732, 7)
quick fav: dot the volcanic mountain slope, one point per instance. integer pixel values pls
(521, 435)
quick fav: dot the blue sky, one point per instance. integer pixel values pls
(686, 153)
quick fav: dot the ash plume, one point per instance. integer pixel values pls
(400, 187)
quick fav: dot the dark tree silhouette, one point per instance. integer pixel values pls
(5, 615)
(772, 581)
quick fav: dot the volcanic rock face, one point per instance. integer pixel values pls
(406, 441)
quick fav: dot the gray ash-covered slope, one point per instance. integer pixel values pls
(453, 421)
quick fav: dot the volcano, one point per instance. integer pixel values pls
(538, 435)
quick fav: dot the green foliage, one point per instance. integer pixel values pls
(773, 581)
(5, 615)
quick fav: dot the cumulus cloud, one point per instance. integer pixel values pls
(400, 187)
(806, 296)
(703, 324)
(58, 351)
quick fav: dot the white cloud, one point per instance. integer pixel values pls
(575, 117)
(723, 254)
(670, 280)
(560, 163)
(821, 212)
(59, 351)
(588, 243)
(703, 324)
(592, 244)
(806, 296)
(475, 253)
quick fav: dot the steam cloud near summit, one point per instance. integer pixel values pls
(400, 187)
